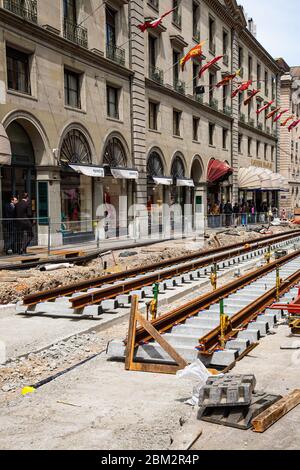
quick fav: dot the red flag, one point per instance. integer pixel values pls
(243, 87)
(272, 113)
(294, 125)
(154, 23)
(209, 64)
(228, 79)
(253, 93)
(264, 107)
(280, 114)
(284, 123)
(194, 52)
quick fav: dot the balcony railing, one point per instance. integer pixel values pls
(227, 110)
(251, 122)
(177, 18)
(260, 126)
(179, 86)
(156, 75)
(242, 117)
(26, 9)
(198, 98)
(214, 104)
(115, 53)
(75, 33)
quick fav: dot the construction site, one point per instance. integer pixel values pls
(181, 345)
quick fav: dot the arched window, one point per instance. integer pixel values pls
(75, 149)
(177, 170)
(21, 146)
(114, 154)
(155, 165)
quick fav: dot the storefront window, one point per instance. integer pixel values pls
(76, 203)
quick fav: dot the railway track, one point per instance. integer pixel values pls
(91, 298)
(194, 328)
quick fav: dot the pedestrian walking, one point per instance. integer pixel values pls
(228, 213)
(24, 224)
(9, 226)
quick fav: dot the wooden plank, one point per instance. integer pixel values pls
(161, 341)
(154, 368)
(266, 419)
(129, 352)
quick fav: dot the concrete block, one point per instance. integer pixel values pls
(262, 326)
(224, 358)
(229, 390)
(277, 313)
(240, 344)
(139, 293)
(123, 299)
(93, 310)
(269, 317)
(253, 335)
(109, 304)
(170, 283)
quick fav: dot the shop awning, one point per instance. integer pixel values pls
(248, 178)
(218, 170)
(185, 183)
(5, 148)
(93, 171)
(162, 180)
(260, 179)
(125, 173)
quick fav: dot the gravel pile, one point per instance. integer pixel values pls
(40, 365)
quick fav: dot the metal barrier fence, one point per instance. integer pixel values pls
(237, 220)
(16, 235)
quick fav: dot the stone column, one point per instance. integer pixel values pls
(138, 115)
(52, 177)
(284, 148)
(235, 123)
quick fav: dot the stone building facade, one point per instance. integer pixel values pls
(96, 111)
(290, 143)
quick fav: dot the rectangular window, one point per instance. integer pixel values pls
(266, 151)
(272, 154)
(176, 66)
(249, 146)
(72, 89)
(250, 63)
(196, 122)
(241, 57)
(111, 38)
(240, 142)
(196, 69)
(70, 14)
(112, 101)
(225, 135)
(258, 75)
(152, 51)
(176, 122)
(211, 131)
(225, 42)
(153, 113)
(212, 32)
(266, 83)
(18, 77)
(258, 149)
(196, 18)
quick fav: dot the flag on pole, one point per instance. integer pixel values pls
(280, 114)
(209, 64)
(243, 87)
(284, 123)
(253, 93)
(228, 79)
(272, 113)
(196, 51)
(294, 125)
(266, 106)
(154, 23)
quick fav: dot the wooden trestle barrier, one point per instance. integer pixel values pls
(131, 364)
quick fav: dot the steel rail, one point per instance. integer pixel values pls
(205, 258)
(210, 341)
(191, 309)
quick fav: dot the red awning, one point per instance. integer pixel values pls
(218, 170)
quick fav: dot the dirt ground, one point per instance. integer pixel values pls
(101, 406)
(17, 285)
